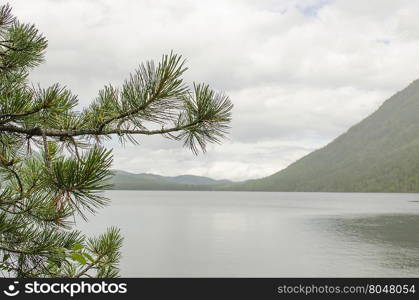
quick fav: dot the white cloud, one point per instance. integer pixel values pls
(300, 72)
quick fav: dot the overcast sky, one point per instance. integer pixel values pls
(299, 72)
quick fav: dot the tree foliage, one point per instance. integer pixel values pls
(53, 165)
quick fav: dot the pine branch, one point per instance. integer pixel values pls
(51, 165)
(92, 132)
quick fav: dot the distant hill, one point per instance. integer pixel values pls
(145, 181)
(379, 154)
(192, 179)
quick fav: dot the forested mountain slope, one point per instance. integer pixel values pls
(379, 154)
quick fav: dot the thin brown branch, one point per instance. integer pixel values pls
(11, 117)
(93, 132)
(88, 267)
(46, 154)
(137, 109)
(124, 115)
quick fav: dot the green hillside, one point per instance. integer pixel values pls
(128, 181)
(379, 154)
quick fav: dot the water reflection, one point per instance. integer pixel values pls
(391, 239)
(171, 234)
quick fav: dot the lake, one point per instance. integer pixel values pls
(253, 234)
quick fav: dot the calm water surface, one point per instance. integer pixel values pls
(263, 234)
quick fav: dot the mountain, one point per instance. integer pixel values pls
(379, 154)
(192, 179)
(144, 181)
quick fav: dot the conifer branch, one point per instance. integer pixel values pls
(41, 190)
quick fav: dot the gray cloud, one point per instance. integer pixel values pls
(300, 72)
